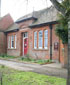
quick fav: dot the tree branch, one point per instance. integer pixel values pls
(58, 6)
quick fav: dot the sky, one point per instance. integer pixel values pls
(19, 8)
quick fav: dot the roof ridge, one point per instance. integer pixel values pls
(26, 16)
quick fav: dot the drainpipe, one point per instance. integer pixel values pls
(50, 41)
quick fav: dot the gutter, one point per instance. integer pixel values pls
(26, 19)
(15, 30)
(43, 24)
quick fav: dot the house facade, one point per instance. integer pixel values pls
(34, 34)
(5, 22)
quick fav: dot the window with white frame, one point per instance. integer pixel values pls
(15, 41)
(46, 39)
(12, 41)
(35, 40)
(25, 35)
(8, 41)
(40, 40)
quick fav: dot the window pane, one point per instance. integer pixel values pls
(15, 41)
(8, 41)
(40, 39)
(12, 41)
(35, 39)
(26, 34)
(45, 38)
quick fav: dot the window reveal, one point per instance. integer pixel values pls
(40, 39)
(15, 41)
(35, 40)
(12, 41)
(45, 39)
(8, 41)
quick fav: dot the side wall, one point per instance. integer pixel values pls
(38, 53)
(2, 43)
(55, 39)
(19, 38)
(43, 53)
(15, 51)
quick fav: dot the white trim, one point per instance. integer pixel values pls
(35, 47)
(11, 41)
(40, 47)
(8, 42)
(46, 39)
(42, 40)
(15, 41)
(23, 41)
(45, 47)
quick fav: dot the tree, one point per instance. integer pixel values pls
(65, 11)
(62, 29)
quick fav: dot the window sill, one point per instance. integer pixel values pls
(40, 49)
(11, 48)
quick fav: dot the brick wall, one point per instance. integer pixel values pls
(14, 52)
(37, 53)
(5, 22)
(43, 53)
(55, 39)
(19, 35)
(24, 24)
(2, 43)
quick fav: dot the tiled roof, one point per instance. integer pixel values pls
(14, 26)
(43, 16)
(47, 15)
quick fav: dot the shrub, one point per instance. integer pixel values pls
(6, 56)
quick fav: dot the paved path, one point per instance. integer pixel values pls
(49, 69)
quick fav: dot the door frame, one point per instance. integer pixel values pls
(23, 42)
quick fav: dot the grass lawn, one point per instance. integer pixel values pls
(14, 77)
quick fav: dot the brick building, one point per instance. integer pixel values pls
(5, 22)
(34, 34)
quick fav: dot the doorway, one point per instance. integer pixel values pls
(25, 43)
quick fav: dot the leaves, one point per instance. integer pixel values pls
(62, 29)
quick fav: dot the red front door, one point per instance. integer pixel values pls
(25, 45)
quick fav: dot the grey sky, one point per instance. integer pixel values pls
(18, 8)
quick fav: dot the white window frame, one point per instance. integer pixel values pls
(35, 38)
(8, 42)
(39, 39)
(12, 40)
(26, 35)
(46, 37)
(15, 41)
